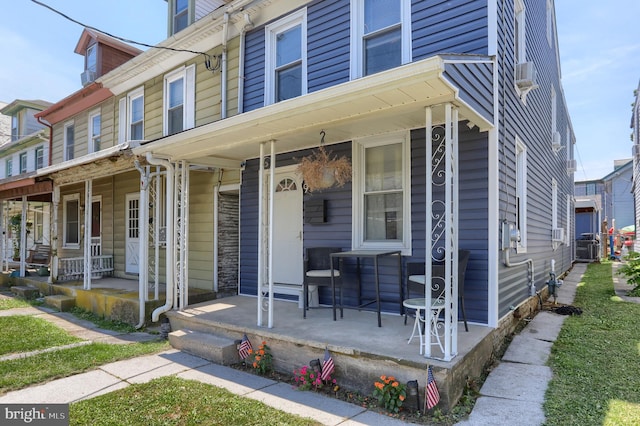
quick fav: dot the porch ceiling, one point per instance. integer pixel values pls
(384, 102)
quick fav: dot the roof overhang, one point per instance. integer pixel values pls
(107, 162)
(79, 101)
(387, 101)
(29, 187)
(587, 203)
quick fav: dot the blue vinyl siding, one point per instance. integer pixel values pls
(475, 83)
(328, 43)
(531, 122)
(254, 69)
(458, 26)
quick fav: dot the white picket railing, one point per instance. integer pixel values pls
(73, 267)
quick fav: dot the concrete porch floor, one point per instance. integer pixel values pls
(361, 350)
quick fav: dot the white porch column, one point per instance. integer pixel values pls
(272, 187)
(261, 248)
(143, 249)
(55, 199)
(88, 195)
(182, 233)
(23, 237)
(441, 240)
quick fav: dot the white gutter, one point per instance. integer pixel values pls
(248, 25)
(155, 316)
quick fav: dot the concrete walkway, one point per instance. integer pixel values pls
(514, 391)
(120, 374)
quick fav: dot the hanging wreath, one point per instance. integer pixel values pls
(320, 170)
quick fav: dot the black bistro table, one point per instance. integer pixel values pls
(376, 255)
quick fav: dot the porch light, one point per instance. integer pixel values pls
(413, 399)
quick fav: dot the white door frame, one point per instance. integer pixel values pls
(131, 252)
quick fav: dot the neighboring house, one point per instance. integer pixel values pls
(613, 193)
(5, 126)
(25, 199)
(451, 113)
(635, 137)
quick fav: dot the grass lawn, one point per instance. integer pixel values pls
(12, 302)
(20, 373)
(595, 359)
(173, 401)
(23, 333)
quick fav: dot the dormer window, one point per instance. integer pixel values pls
(91, 58)
(15, 130)
(180, 15)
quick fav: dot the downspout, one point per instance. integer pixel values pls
(223, 82)
(155, 316)
(248, 25)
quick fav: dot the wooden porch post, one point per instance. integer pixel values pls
(88, 195)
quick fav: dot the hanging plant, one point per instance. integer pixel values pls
(320, 170)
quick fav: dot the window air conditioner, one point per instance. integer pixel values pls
(526, 76)
(556, 145)
(88, 77)
(571, 166)
(557, 235)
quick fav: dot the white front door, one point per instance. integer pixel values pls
(287, 227)
(132, 240)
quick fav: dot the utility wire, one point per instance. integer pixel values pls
(207, 60)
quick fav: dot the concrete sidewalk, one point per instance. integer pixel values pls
(513, 393)
(118, 375)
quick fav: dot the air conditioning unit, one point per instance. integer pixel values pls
(526, 76)
(88, 77)
(557, 235)
(556, 144)
(571, 166)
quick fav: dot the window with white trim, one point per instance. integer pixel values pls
(15, 128)
(91, 58)
(131, 116)
(179, 15)
(39, 160)
(380, 35)
(8, 167)
(554, 204)
(286, 58)
(568, 221)
(95, 131)
(69, 141)
(554, 110)
(23, 162)
(521, 195)
(71, 220)
(519, 31)
(381, 193)
(179, 100)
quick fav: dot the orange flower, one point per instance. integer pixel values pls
(255, 365)
(379, 385)
(258, 358)
(264, 343)
(395, 384)
(401, 397)
(250, 351)
(261, 351)
(383, 377)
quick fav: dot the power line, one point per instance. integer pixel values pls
(207, 57)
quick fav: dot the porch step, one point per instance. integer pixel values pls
(220, 350)
(26, 292)
(60, 302)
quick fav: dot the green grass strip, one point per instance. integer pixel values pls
(173, 401)
(19, 373)
(12, 302)
(596, 358)
(27, 333)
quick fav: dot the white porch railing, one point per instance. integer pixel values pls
(73, 267)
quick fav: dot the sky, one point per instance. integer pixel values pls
(599, 53)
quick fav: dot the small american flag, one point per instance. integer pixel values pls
(245, 347)
(327, 365)
(432, 396)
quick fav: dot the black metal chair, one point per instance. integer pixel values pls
(414, 286)
(317, 271)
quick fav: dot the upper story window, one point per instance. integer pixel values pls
(15, 128)
(381, 193)
(179, 100)
(179, 15)
(91, 58)
(8, 167)
(39, 160)
(69, 141)
(286, 58)
(521, 195)
(131, 116)
(381, 35)
(23, 162)
(95, 131)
